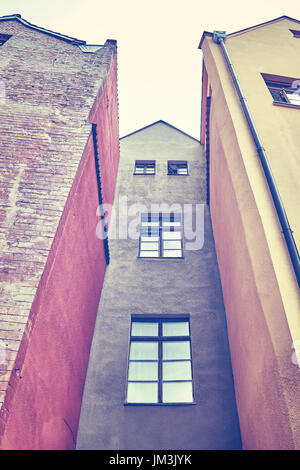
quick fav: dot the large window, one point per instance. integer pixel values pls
(284, 90)
(160, 235)
(160, 361)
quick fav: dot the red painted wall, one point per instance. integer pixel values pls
(46, 392)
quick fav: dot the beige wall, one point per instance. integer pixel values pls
(260, 289)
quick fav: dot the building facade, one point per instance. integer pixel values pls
(250, 129)
(159, 375)
(59, 125)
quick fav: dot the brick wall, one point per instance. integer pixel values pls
(51, 262)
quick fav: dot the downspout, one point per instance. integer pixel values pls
(207, 141)
(219, 37)
(99, 187)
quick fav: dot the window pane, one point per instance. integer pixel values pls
(177, 370)
(149, 254)
(149, 216)
(142, 392)
(171, 224)
(143, 371)
(176, 350)
(182, 171)
(139, 328)
(149, 239)
(293, 97)
(172, 244)
(149, 231)
(172, 253)
(177, 392)
(139, 170)
(150, 224)
(150, 246)
(144, 350)
(171, 235)
(178, 328)
(171, 216)
(150, 170)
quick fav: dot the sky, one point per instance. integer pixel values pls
(159, 63)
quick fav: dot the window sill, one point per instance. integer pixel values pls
(143, 174)
(286, 105)
(173, 174)
(193, 403)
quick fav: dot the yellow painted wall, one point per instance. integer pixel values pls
(260, 289)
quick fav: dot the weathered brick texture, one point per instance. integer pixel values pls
(52, 94)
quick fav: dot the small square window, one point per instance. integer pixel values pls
(177, 167)
(160, 361)
(4, 38)
(144, 167)
(160, 235)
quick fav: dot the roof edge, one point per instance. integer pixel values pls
(26, 23)
(208, 33)
(264, 23)
(204, 34)
(157, 122)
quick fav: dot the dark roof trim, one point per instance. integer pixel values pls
(162, 122)
(63, 37)
(265, 23)
(207, 33)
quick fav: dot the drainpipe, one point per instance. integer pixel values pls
(219, 37)
(208, 101)
(99, 187)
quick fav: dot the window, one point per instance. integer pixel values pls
(284, 90)
(160, 236)
(160, 361)
(295, 32)
(144, 167)
(4, 38)
(177, 167)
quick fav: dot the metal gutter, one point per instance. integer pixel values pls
(207, 140)
(219, 37)
(99, 186)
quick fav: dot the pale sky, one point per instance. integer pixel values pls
(159, 63)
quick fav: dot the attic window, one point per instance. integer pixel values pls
(4, 38)
(144, 167)
(284, 90)
(295, 32)
(177, 167)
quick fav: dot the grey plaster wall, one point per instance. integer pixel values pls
(190, 285)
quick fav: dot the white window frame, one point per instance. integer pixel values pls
(165, 377)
